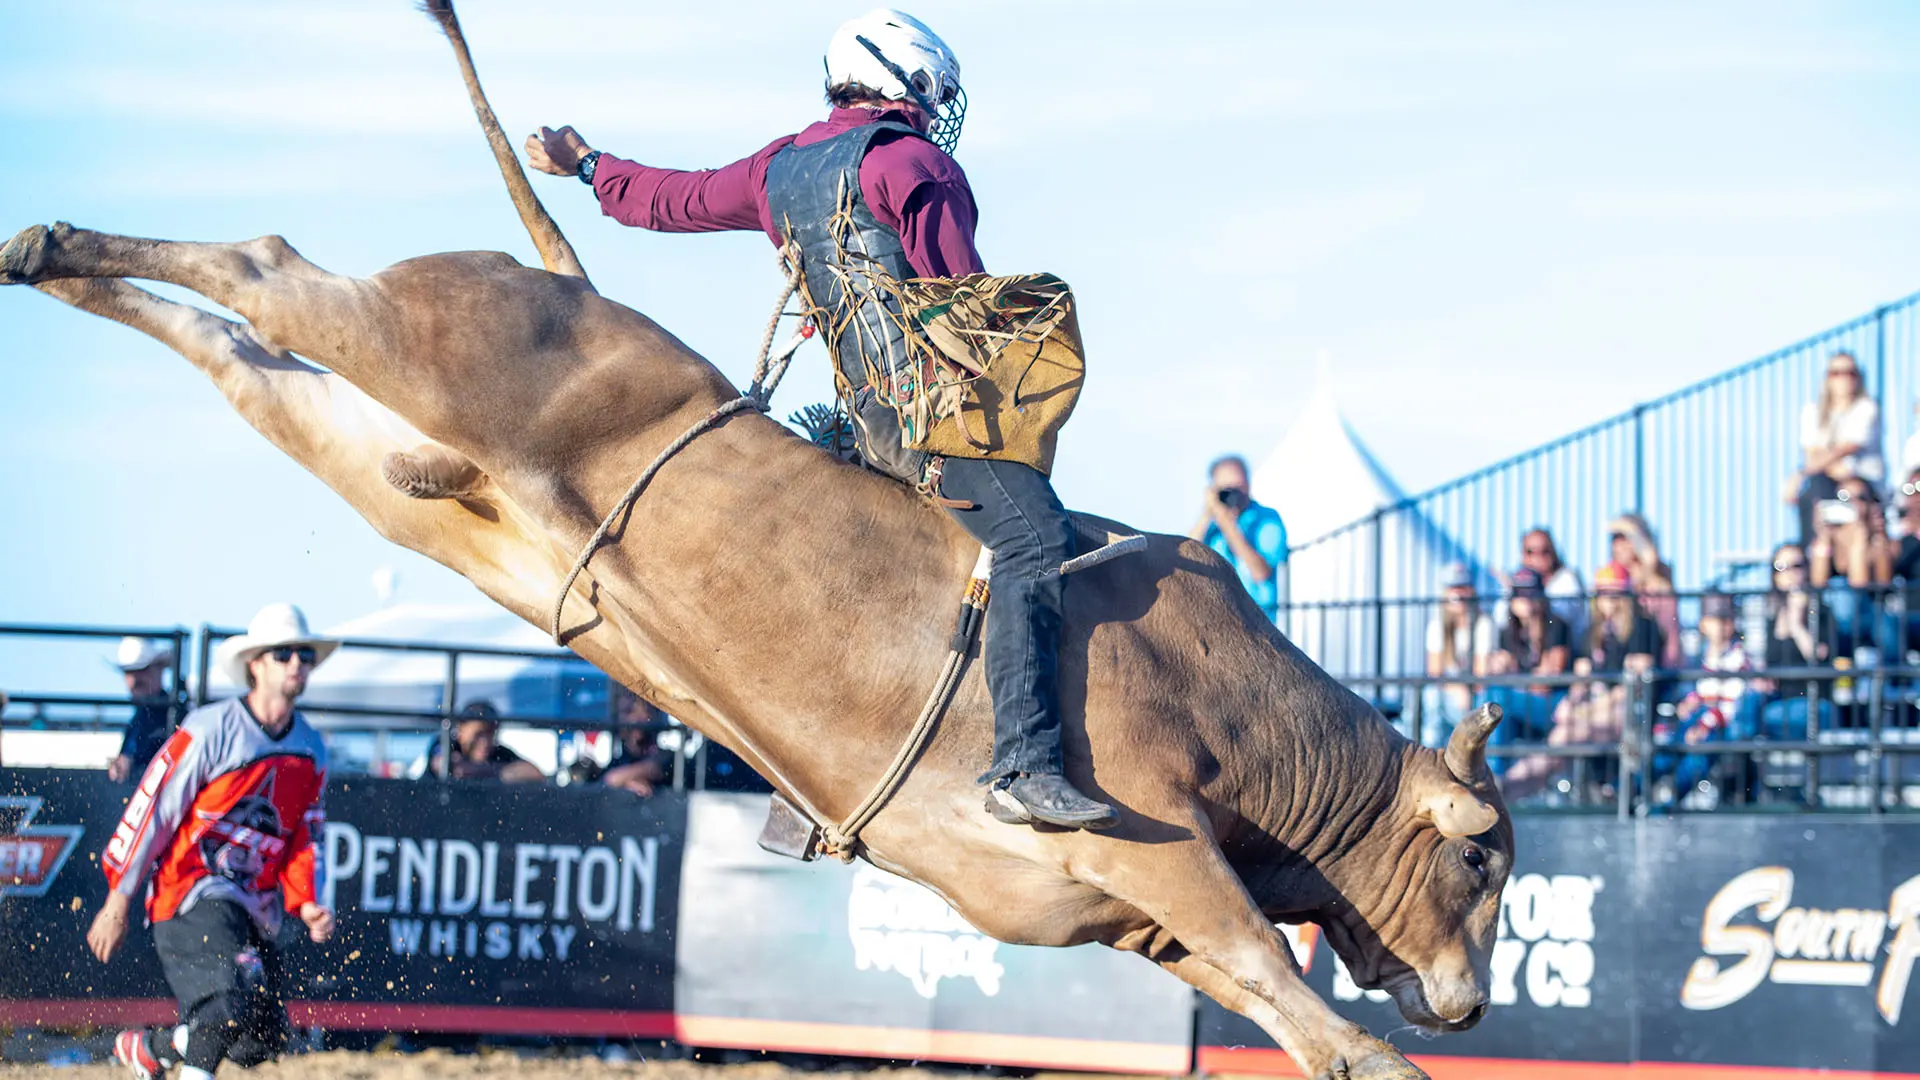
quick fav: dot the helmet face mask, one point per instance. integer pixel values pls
(897, 57)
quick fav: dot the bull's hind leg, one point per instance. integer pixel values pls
(335, 320)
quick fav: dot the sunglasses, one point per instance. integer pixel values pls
(1850, 372)
(1537, 551)
(1783, 567)
(285, 654)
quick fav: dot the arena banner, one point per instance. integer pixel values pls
(461, 906)
(1706, 946)
(830, 958)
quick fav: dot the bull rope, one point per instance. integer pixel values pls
(767, 373)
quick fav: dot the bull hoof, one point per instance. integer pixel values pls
(1384, 1066)
(26, 257)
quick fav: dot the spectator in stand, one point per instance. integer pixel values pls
(478, 754)
(638, 765)
(1901, 633)
(1565, 592)
(1720, 706)
(1797, 636)
(143, 664)
(1840, 436)
(1849, 561)
(1633, 549)
(1850, 539)
(1459, 644)
(1623, 641)
(1251, 537)
(1533, 642)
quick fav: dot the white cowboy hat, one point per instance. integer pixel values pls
(274, 626)
(138, 654)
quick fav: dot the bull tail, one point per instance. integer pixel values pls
(555, 252)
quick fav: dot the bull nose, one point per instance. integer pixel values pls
(1474, 1015)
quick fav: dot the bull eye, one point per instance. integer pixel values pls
(1474, 857)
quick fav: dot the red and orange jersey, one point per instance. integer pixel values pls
(225, 810)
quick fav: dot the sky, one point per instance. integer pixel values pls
(1500, 221)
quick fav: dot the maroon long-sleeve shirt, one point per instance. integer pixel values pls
(911, 186)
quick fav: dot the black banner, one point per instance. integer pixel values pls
(1791, 942)
(461, 906)
(1729, 942)
(1780, 942)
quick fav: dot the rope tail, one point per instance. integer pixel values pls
(555, 252)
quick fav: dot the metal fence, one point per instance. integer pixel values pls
(1705, 466)
(366, 733)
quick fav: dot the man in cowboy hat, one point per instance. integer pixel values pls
(143, 663)
(225, 823)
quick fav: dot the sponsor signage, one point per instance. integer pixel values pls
(461, 907)
(1732, 945)
(1781, 942)
(830, 958)
(509, 895)
(31, 854)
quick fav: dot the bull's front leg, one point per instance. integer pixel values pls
(1324, 1045)
(1224, 947)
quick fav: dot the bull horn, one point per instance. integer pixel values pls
(1467, 750)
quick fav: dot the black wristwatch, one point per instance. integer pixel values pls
(589, 161)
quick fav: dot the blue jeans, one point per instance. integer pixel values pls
(1017, 514)
(1786, 719)
(1689, 769)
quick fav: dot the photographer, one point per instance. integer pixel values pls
(1248, 535)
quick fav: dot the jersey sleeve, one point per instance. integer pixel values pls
(158, 806)
(303, 877)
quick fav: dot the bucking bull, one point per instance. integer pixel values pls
(796, 609)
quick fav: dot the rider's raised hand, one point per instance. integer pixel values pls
(557, 152)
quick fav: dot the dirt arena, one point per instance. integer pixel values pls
(440, 1065)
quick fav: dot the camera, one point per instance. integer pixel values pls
(1835, 512)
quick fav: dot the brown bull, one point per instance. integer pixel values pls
(796, 609)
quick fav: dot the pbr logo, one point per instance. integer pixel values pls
(1752, 934)
(31, 855)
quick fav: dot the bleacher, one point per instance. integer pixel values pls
(1704, 466)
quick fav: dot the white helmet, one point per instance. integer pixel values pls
(896, 56)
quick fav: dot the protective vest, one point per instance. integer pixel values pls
(814, 193)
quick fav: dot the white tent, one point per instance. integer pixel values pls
(1322, 478)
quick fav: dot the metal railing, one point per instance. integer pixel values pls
(587, 703)
(1705, 466)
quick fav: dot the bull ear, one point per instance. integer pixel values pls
(1455, 811)
(1467, 750)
